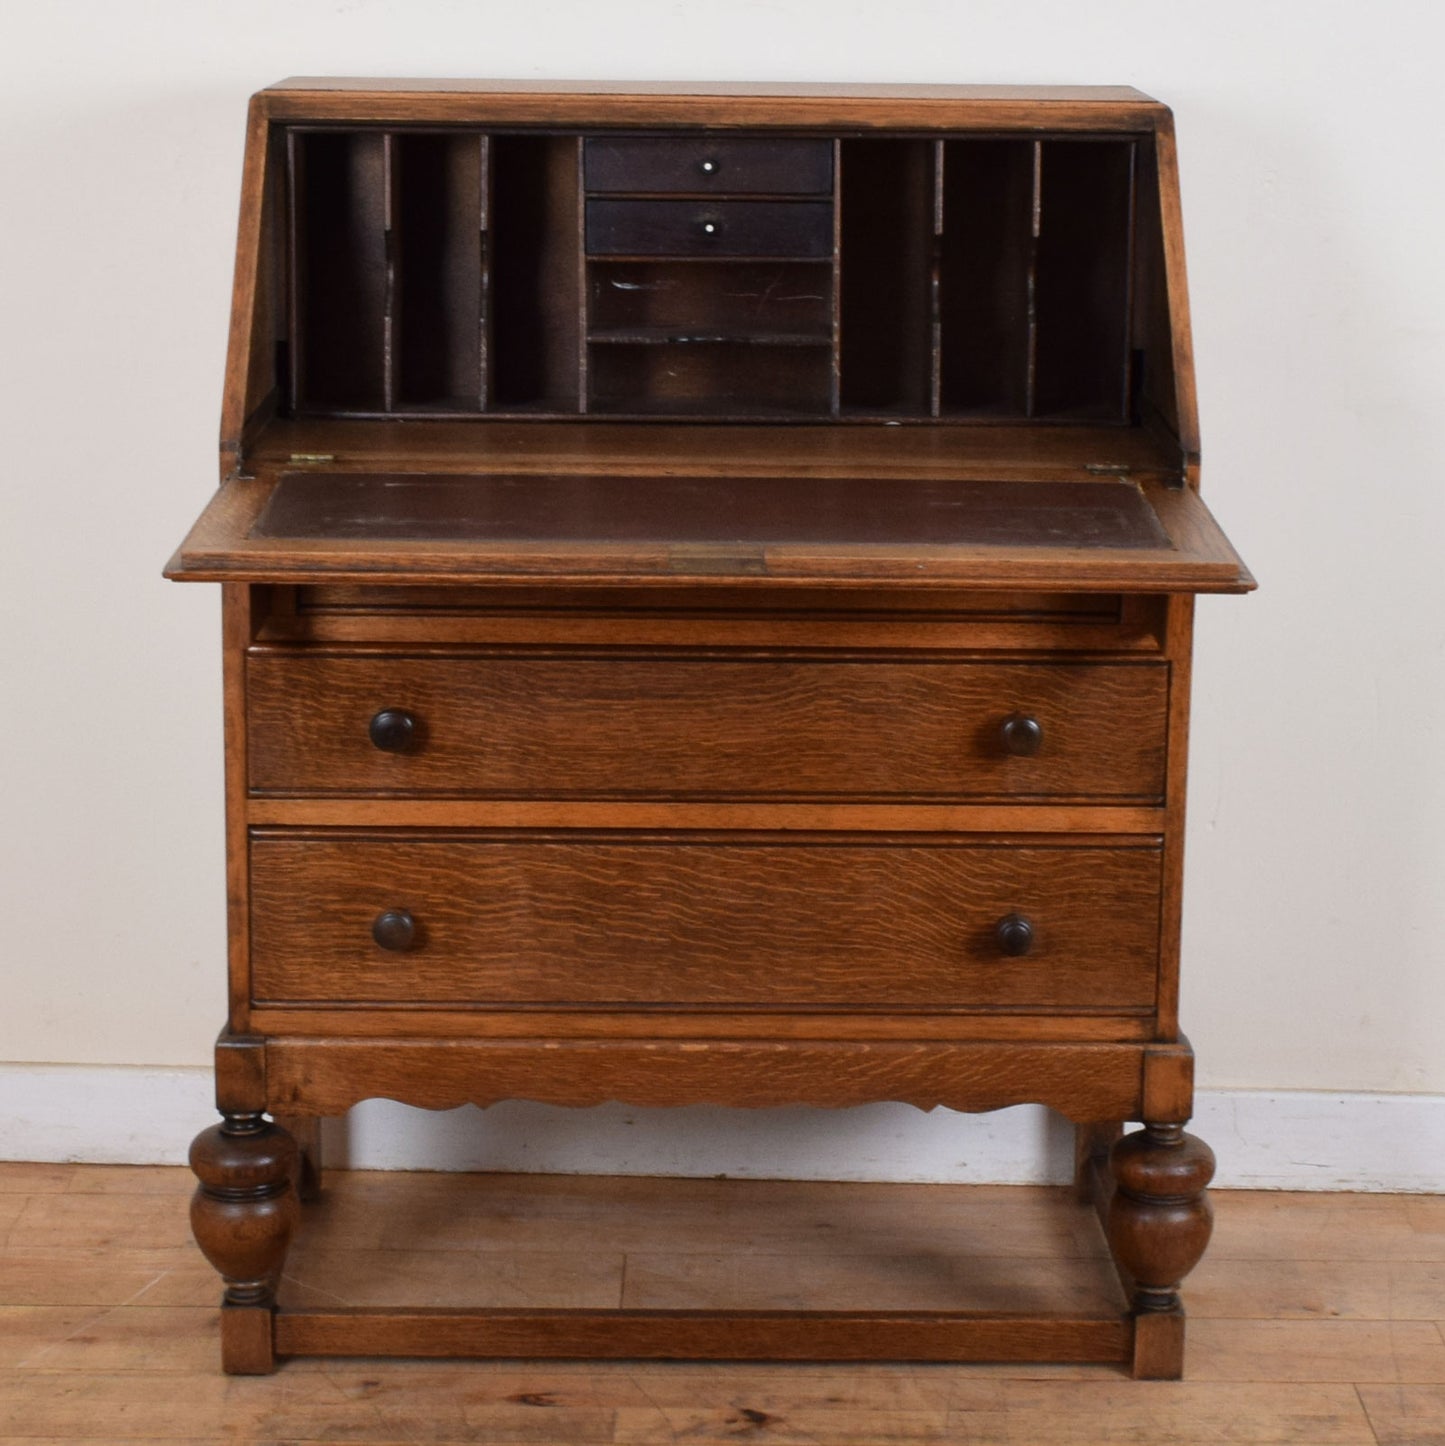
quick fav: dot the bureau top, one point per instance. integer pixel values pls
(532, 279)
(864, 255)
(855, 91)
(708, 102)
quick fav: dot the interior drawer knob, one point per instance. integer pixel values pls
(394, 929)
(393, 730)
(708, 166)
(1021, 735)
(709, 228)
(1015, 934)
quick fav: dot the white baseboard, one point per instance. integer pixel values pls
(1300, 1140)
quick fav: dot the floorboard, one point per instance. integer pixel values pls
(1314, 1318)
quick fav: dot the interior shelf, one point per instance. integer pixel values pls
(710, 379)
(680, 336)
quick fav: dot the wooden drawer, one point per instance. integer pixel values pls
(760, 165)
(709, 228)
(540, 920)
(559, 726)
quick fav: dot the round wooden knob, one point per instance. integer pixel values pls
(1015, 934)
(1021, 735)
(393, 730)
(395, 929)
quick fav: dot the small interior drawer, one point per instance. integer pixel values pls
(586, 725)
(479, 919)
(758, 165)
(709, 228)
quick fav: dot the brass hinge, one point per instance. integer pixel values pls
(313, 457)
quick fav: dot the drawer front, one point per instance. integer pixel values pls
(759, 165)
(668, 728)
(517, 921)
(710, 228)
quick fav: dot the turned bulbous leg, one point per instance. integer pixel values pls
(243, 1215)
(1159, 1224)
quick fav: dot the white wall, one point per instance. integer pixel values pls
(1310, 146)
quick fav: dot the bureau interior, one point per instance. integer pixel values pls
(951, 278)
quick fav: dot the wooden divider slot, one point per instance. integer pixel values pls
(886, 245)
(534, 275)
(438, 224)
(985, 280)
(1085, 261)
(339, 270)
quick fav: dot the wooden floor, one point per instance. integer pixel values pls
(1315, 1318)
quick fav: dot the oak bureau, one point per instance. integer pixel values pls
(708, 584)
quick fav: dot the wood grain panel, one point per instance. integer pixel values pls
(704, 1335)
(587, 725)
(803, 925)
(666, 103)
(1016, 820)
(328, 1076)
(342, 1021)
(1006, 624)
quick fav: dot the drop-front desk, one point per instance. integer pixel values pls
(708, 585)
